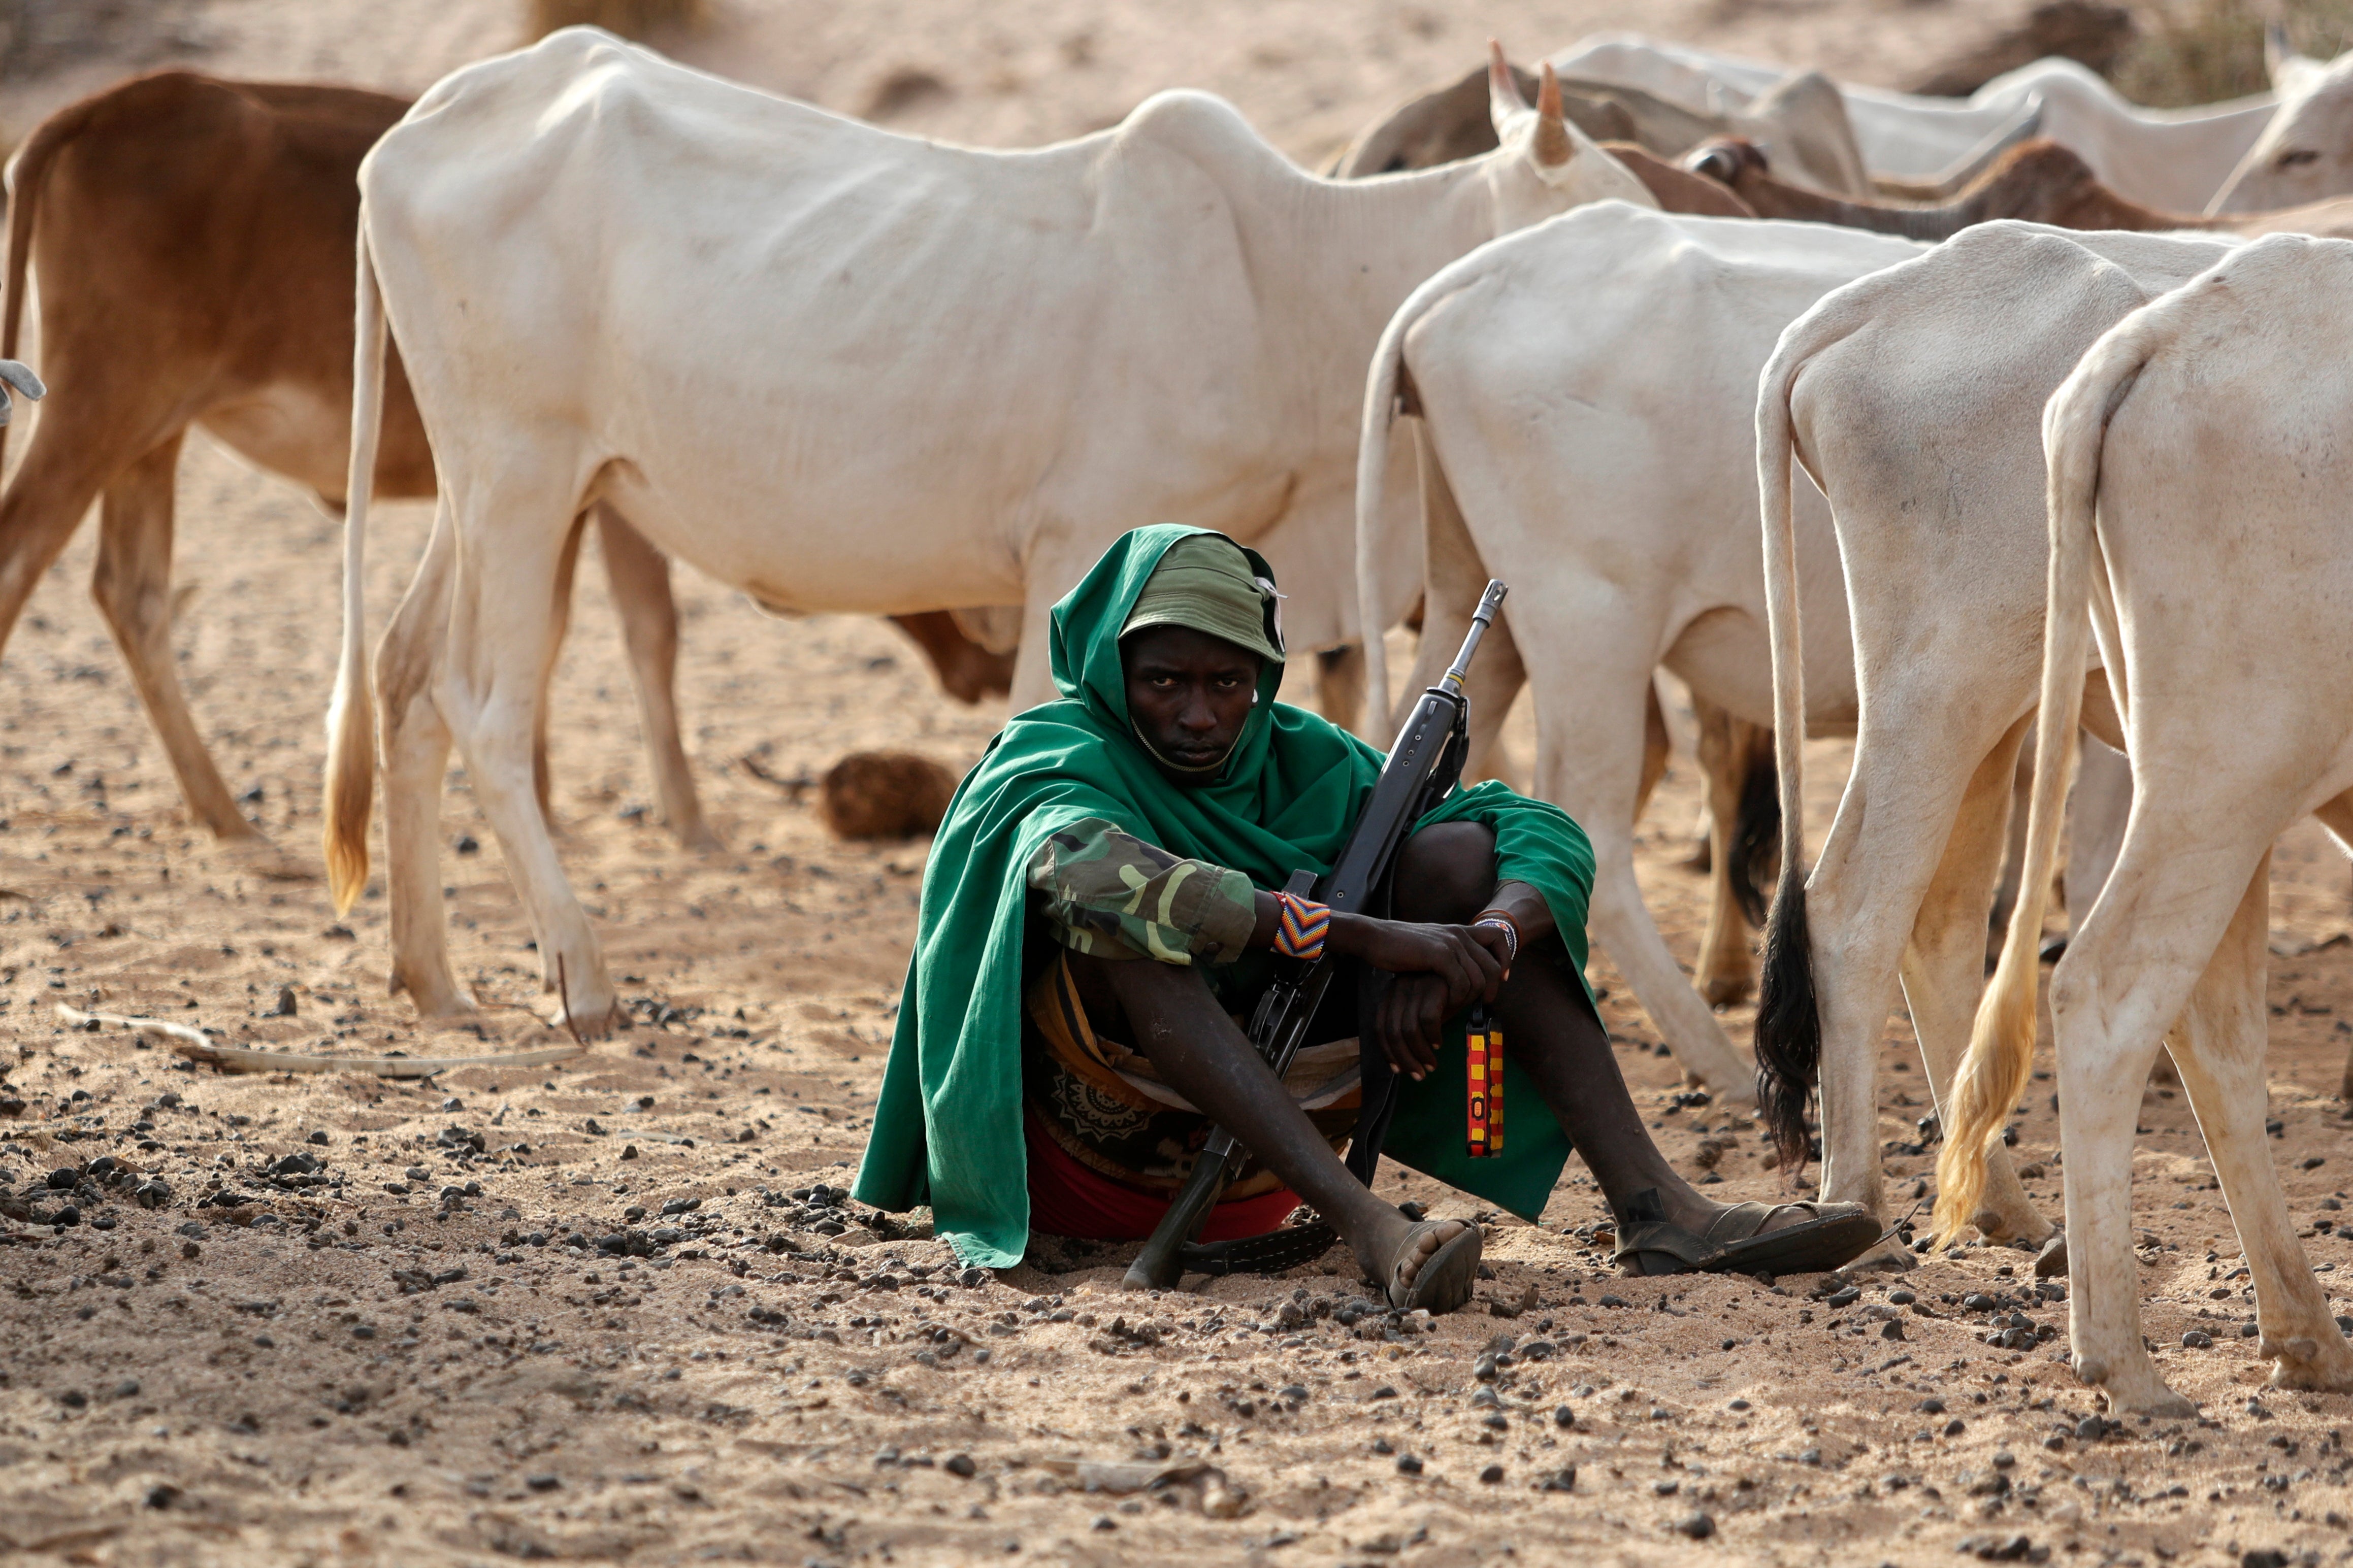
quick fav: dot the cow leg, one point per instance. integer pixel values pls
(2165, 927)
(640, 575)
(2013, 855)
(132, 586)
(1340, 685)
(2097, 807)
(1943, 968)
(62, 473)
(2337, 816)
(560, 613)
(1727, 751)
(2223, 1031)
(413, 738)
(501, 631)
(1864, 898)
(1589, 760)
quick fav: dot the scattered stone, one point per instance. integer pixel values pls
(1697, 1526)
(960, 1465)
(1490, 1474)
(1409, 1465)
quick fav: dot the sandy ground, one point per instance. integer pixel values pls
(424, 1350)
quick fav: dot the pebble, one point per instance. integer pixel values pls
(1697, 1526)
(959, 1465)
(1409, 1465)
(1490, 1474)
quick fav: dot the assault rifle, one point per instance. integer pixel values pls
(1422, 768)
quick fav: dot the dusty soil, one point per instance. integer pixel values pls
(613, 1309)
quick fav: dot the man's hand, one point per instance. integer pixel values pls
(1442, 969)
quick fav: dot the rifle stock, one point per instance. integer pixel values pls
(1421, 769)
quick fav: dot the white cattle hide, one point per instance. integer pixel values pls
(1585, 390)
(1911, 398)
(2198, 473)
(841, 370)
(2173, 159)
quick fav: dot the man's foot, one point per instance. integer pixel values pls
(1741, 1239)
(1434, 1266)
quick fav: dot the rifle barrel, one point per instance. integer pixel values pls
(1491, 604)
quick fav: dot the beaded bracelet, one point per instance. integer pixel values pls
(1304, 927)
(1505, 925)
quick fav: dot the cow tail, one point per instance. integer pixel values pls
(1385, 402)
(1789, 1022)
(2001, 1045)
(351, 719)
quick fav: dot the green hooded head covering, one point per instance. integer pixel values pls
(948, 1131)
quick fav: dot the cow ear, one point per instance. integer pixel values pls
(1503, 100)
(1552, 145)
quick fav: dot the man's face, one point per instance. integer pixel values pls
(1188, 692)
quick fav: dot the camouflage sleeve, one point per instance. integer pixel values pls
(1110, 894)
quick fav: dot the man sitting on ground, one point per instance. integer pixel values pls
(1098, 912)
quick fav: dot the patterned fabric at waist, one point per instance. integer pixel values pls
(1105, 1106)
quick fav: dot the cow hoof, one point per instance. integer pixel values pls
(589, 1023)
(700, 840)
(2314, 1365)
(1890, 1256)
(2161, 1405)
(1727, 992)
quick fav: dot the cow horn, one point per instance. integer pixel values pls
(1552, 144)
(1503, 89)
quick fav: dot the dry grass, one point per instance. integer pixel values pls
(630, 18)
(2197, 51)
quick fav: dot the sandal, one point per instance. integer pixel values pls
(1736, 1241)
(1446, 1276)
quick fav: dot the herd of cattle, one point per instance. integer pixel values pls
(2067, 381)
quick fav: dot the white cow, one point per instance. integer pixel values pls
(2173, 159)
(2199, 466)
(1911, 398)
(2305, 150)
(1585, 390)
(842, 370)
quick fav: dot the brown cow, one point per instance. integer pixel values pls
(2037, 181)
(194, 241)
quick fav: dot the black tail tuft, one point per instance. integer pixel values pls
(1788, 1023)
(1757, 831)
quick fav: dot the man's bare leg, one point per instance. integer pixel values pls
(1200, 1052)
(1446, 874)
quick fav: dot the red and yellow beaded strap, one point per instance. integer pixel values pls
(1304, 927)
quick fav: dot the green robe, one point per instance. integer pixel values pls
(948, 1128)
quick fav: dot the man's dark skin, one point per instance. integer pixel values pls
(1189, 694)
